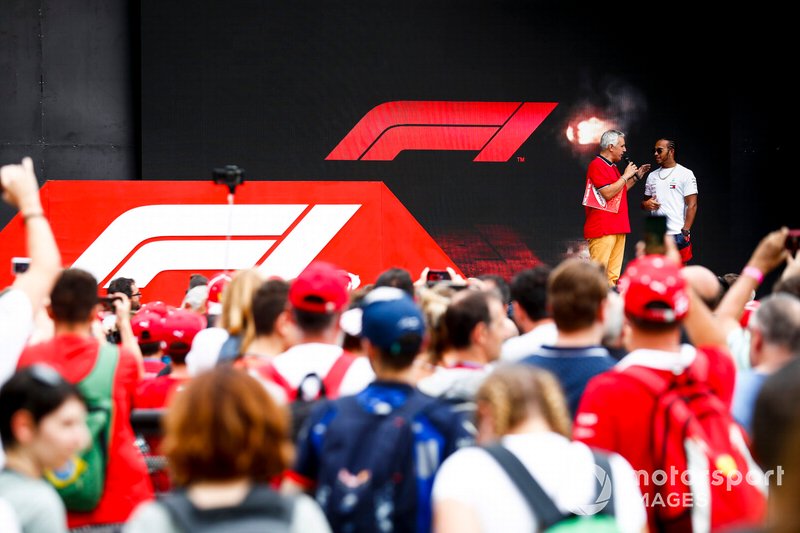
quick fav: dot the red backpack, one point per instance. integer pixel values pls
(702, 452)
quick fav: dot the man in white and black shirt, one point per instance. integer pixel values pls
(671, 191)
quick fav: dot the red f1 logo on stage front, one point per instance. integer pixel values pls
(496, 129)
(161, 232)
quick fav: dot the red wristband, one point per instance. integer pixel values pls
(753, 272)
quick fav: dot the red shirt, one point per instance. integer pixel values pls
(127, 482)
(155, 393)
(616, 412)
(152, 367)
(598, 222)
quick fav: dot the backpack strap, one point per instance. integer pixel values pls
(230, 349)
(333, 380)
(98, 387)
(543, 508)
(654, 381)
(101, 378)
(648, 378)
(263, 501)
(415, 403)
(180, 509)
(329, 385)
(657, 385)
(271, 373)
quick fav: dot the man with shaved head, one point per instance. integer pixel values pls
(705, 283)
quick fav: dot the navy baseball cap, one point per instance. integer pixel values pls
(392, 321)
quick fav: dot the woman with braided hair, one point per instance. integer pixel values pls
(523, 409)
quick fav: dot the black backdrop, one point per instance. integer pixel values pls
(169, 90)
(273, 87)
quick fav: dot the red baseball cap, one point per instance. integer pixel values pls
(320, 288)
(180, 327)
(158, 307)
(216, 285)
(147, 326)
(654, 290)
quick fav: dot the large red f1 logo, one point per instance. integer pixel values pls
(496, 129)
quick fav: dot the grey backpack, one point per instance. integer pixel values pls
(263, 510)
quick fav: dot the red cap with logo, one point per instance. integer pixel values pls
(320, 288)
(654, 290)
(147, 326)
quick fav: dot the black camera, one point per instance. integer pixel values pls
(107, 302)
(230, 175)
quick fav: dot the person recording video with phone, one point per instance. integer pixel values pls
(671, 191)
(605, 230)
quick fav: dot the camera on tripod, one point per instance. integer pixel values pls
(230, 175)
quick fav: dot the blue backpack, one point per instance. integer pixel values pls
(367, 479)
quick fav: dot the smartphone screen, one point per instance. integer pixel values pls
(438, 275)
(655, 227)
(19, 265)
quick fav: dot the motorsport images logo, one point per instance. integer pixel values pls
(603, 495)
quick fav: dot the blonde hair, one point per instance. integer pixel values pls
(237, 305)
(515, 393)
(433, 304)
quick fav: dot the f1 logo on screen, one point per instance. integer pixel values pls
(495, 129)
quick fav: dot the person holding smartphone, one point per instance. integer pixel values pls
(671, 191)
(26, 297)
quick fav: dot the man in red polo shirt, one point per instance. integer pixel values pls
(639, 409)
(606, 230)
(74, 352)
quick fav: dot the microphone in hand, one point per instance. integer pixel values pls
(628, 162)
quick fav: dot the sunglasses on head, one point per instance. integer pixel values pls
(46, 375)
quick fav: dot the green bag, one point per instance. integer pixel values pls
(80, 482)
